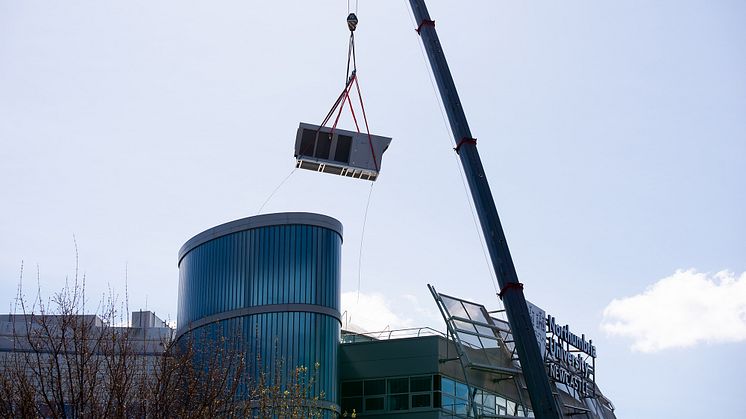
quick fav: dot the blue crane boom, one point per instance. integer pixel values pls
(534, 372)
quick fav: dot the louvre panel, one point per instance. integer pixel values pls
(344, 146)
(323, 146)
(307, 142)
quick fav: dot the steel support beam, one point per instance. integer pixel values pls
(542, 401)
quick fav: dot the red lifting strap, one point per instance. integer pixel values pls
(509, 286)
(425, 22)
(344, 97)
(463, 141)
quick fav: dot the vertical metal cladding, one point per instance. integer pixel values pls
(273, 282)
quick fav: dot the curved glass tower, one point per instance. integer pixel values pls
(271, 283)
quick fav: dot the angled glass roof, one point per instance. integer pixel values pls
(471, 326)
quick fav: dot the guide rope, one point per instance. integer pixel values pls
(447, 138)
(275, 190)
(362, 237)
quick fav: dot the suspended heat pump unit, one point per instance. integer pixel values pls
(344, 153)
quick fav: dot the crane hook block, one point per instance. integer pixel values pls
(352, 22)
(339, 152)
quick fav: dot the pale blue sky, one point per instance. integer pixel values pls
(613, 134)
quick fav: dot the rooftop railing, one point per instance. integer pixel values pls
(414, 332)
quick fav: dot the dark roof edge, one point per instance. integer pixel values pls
(257, 221)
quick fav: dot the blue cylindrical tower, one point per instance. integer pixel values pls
(274, 281)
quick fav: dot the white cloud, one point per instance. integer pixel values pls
(370, 313)
(682, 310)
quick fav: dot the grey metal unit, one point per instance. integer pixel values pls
(345, 153)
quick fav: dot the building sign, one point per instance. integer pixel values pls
(538, 320)
(570, 359)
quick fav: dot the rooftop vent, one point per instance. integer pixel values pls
(344, 153)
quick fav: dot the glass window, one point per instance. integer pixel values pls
(420, 400)
(398, 385)
(352, 388)
(463, 326)
(462, 391)
(454, 307)
(487, 410)
(399, 402)
(475, 312)
(420, 383)
(373, 404)
(449, 403)
(403, 393)
(375, 387)
(350, 403)
(448, 386)
(511, 407)
(488, 401)
(461, 407)
(470, 340)
(478, 396)
(455, 398)
(592, 404)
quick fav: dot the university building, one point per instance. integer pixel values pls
(275, 278)
(271, 284)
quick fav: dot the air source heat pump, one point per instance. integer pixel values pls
(344, 153)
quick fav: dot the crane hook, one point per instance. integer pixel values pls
(352, 22)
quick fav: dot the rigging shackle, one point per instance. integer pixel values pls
(352, 22)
